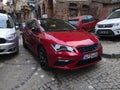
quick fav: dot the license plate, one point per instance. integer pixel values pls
(90, 56)
(103, 32)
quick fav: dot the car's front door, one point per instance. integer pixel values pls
(85, 23)
(34, 36)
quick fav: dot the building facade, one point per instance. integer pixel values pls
(64, 9)
(23, 10)
(102, 8)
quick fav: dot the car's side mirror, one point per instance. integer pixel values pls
(34, 29)
(17, 27)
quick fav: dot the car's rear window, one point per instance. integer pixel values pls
(56, 25)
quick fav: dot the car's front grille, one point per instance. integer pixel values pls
(105, 25)
(2, 40)
(105, 32)
(90, 48)
(88, 61)
(1, 50)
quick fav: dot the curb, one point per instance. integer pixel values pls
(110, 55)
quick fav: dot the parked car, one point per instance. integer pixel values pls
(22, 25)
(8, 35)
(109, 27)
(58, 44)
(86, 22)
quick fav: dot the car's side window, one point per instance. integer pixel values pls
(33, 24)
(9, 22)
(90, 18)
(34, 27)
(85, 20)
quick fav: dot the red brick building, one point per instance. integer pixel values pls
(65, 9)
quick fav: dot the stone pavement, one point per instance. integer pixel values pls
(23, 72)
(111, 48)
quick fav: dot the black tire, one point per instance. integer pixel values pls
(43, 58)
(17, 47)
(17, 52)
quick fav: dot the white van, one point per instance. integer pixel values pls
(109, 27)
(8, 36)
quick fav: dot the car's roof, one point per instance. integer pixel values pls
(117, 10)
(3, 15)
(78, 17)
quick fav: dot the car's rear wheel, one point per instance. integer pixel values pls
(43, 58)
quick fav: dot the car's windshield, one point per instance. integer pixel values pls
(74, 22)
(6, 23)
(115, 14)
(56, 25)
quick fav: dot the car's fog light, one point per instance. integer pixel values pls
(63, 62)
(118, 32)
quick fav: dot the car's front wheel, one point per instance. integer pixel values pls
(43, 58)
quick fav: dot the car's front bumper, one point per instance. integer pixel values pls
(10, 47)
(68, 61)
(108, 32)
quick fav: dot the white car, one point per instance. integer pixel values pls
(109, 27)
(8, 36)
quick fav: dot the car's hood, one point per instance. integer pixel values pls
(109, 21)
(71, 38)
(5, 32)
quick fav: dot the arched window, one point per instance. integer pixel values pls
(43, 8)
(73, 9)
(85, 9)
(39, 12)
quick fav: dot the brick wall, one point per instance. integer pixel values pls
(101, 11)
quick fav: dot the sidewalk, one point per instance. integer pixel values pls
(111, 49)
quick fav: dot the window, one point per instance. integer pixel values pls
(56, 25)
(90, 18)
(115, 14)
(73, 9)
(85, 20)
(6, 22)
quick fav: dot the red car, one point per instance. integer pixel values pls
(58, 44)
(86, 22)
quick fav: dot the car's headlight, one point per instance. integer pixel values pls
(96, 25)
(12, 36)
(62, 48)
(116, 24)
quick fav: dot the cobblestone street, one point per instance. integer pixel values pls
(22, 72)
